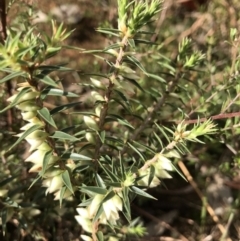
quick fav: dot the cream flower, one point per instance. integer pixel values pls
(164, 163)
(93, 207)
(84, 220)
(110, 211)
(53, 184)
(37, 158)
(86, 238)
(66, 195)
(35, 139)
(145, 177)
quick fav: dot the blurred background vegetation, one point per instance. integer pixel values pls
(212, 89)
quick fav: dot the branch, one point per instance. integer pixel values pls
(3, 21)
(113, 77)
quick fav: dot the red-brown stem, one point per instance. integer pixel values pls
(214, 117)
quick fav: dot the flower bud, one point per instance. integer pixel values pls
(53, 183)
(84, 220)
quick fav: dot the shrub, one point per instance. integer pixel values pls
(96, 160)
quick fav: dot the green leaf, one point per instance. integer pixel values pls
(115, 140)
(12, 75)
(25, 134)
(158, 139)
(140, 192)
(62, 192)
(45, 114)
(67, 181)
(119, 119)
(100, 181)
(4, 214)
(85, 113)
(123, 172)
(7, 180)
(15, 102)
(111, 175)
(100, 236)
(46, 159)
(64, 107)
(159, 78)
(112, 46)
(22, 51)
(144, 146)
(82, 167)
(109, 196)
(122, 96)
(46, 80)
(98, 213)
(143, 41)
(57, 92)
(94, 189)
(75, 157)
(110, 32)
(134, 61)
(114, 184)
(63, 136)
(135, 83)
(127, 108)
(163, 132)
(35, 180)
(114, 30)
(137, 151)
(151, 174)
(53, 68)
(126, 204)
(102, 135)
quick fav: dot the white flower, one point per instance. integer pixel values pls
(53, 183)
(93, 207)
(36, 168)
(84, 220)
(145, 177)
(111, 208)
(162, 173)
(164, 163)
(27, 115)
(110, 211)
(35, 139)
(32, 122)
(37, 158)
(86, 238)
(66, 194)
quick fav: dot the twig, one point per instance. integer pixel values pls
(200, 194)
(150, 116)
(231, 217)
(3, 21)
(214, 117)
(153, 218)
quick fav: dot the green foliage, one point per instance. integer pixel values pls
(130, 136)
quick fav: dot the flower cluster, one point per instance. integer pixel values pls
(42, 155)
(161, 165)
(110, 209)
